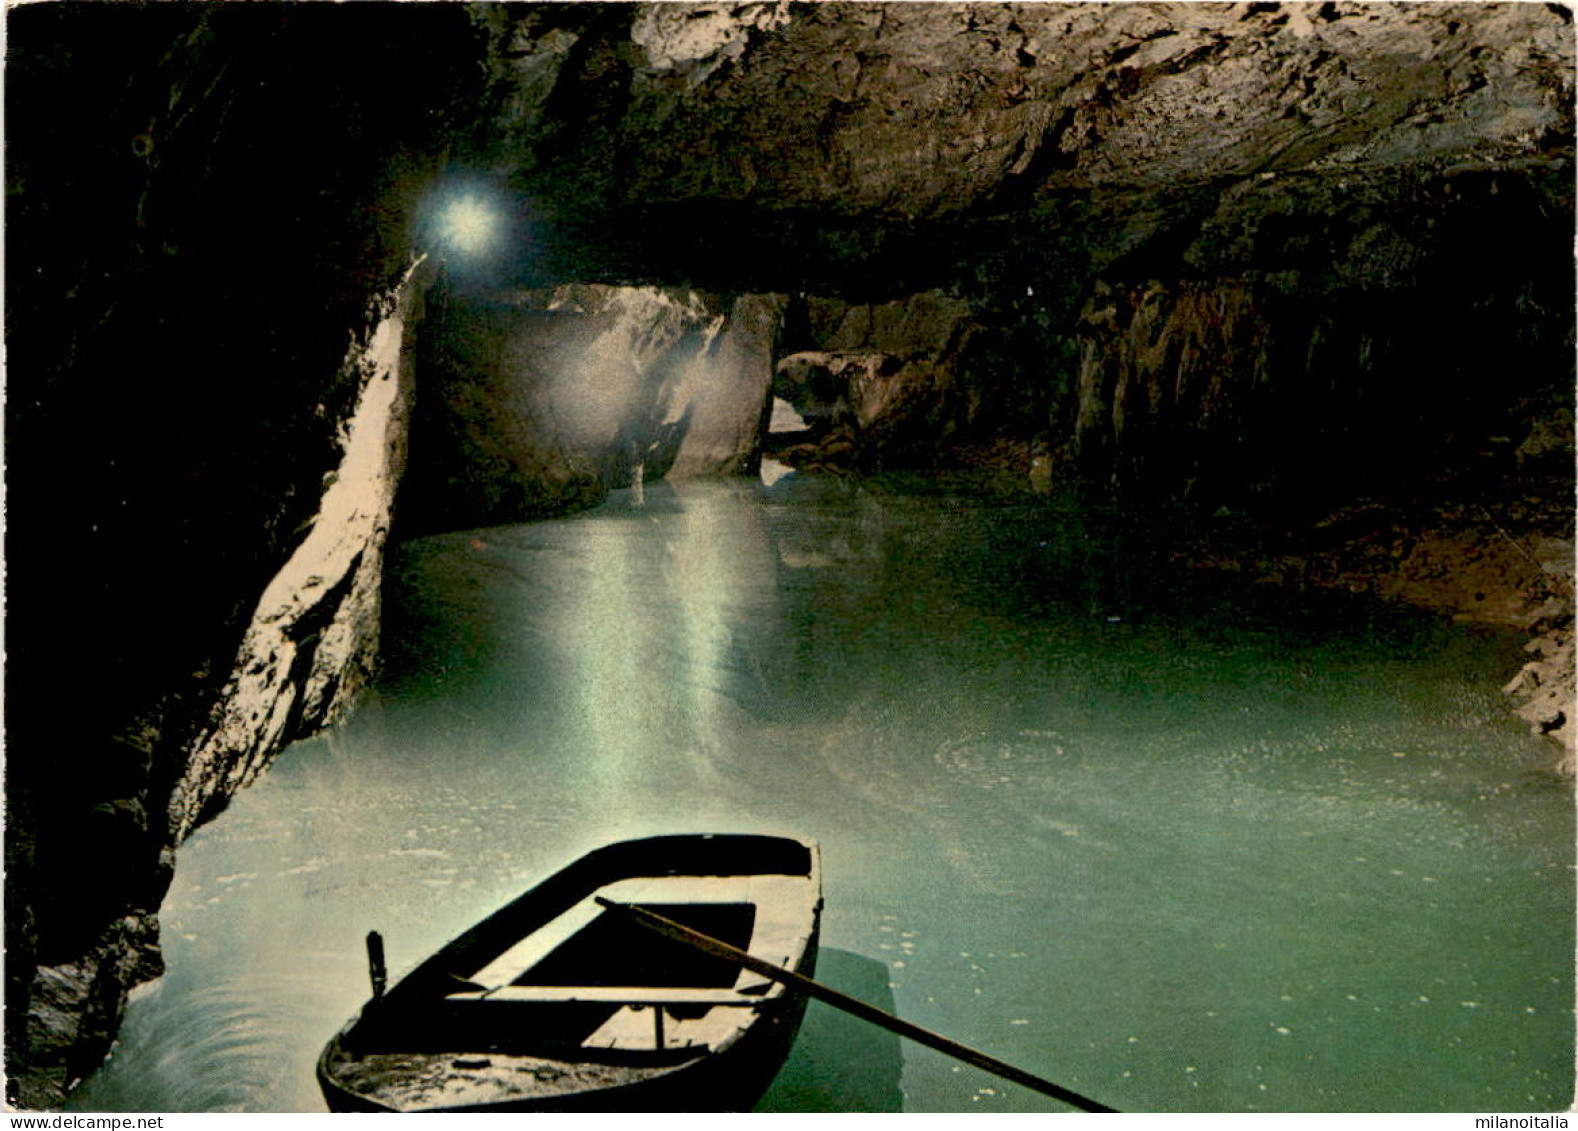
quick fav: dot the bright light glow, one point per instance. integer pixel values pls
(468, 225)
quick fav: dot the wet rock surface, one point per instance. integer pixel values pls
(1492, 562)
(1544, 687)
(75, 1008)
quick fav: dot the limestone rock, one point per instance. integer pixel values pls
(926, 324)
(922, 109)
(77, 1008)
(547, 399)
(1547, 689)
(311, 643)
(725, 393)
(1167, 376)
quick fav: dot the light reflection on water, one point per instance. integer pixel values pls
(1175, 848)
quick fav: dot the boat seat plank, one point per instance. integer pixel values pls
(621, 995)
(630, 1028)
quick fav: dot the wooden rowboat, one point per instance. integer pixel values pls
(557, 1002)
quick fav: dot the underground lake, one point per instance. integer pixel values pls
(1176, 841)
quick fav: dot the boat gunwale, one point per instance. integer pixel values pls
(739, 854)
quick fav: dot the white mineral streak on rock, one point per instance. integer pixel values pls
(785, 418)
(694, 380)
(332, 579)
(701, 37)
(772, 471)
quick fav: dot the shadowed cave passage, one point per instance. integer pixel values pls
(1295, 280)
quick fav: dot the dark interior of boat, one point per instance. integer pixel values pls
(418, 1015)
(614, 951)
(609, 951)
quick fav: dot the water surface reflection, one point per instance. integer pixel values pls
(1176, 846)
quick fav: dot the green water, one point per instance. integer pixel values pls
(1176, 845)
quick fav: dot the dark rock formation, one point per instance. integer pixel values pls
(866, 408)
(1347, 178)
(1333, 349)
(880, 384)
(199, 302)
(1284, 259)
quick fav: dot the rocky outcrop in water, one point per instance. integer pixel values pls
(1488, 562)
(1544, 688)
(881, 384)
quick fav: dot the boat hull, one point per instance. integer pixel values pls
(510, 1066)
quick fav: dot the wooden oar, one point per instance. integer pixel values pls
(839, 1000)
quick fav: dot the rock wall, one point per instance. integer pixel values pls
(1228, 392)
(1169, 375)
(1357, 175)
(538, 401)
(924, 109)
(307, 651)
(725, 393)
(201, 311)
(879, 383)
(872, 145)
(311, 643)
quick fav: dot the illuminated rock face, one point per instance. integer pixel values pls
(916, 111)
(1247, 255)
(925, 109)
(313, 638)
(539, 401)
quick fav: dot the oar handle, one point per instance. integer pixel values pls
(839, 1000)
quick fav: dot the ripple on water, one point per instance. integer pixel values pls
(221, 1056)
(1039, 838)
(1015, 760)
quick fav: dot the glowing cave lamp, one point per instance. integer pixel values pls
(468, 224)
